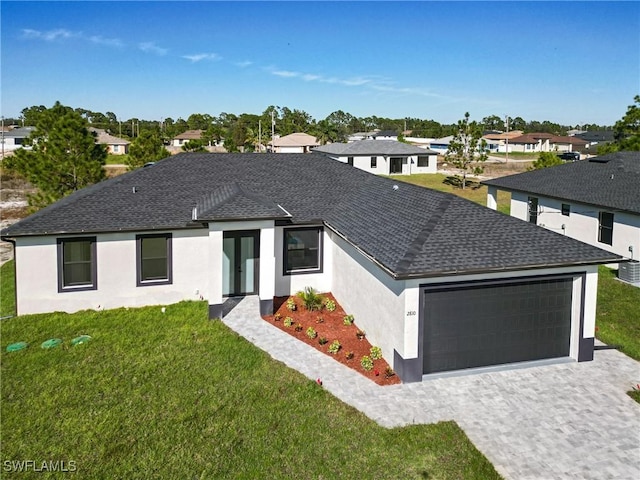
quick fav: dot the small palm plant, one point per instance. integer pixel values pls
(311, 299)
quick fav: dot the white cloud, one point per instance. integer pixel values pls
(203, 56)
(48, 36)
(244, 64)
(151, 47)
(285, 73)
(109, 42)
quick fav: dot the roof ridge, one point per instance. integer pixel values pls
(423, 235)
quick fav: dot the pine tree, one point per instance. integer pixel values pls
(147, 147)
(64, 156)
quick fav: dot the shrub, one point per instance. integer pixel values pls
(330, 305)
(311, 333)
(277, 317)
(360, 334)
(319, 320)
(298, 327)
(291, 305)
(388, 372)
(335, 347)
(322, 340)
(348, 320)
(348, 355)
(376, 353)
(311, 299)
(288, 321)
(366, 363)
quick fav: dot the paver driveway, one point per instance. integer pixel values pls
(563, 421)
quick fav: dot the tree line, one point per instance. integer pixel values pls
(242, 132)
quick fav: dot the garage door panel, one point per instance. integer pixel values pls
(489, 324)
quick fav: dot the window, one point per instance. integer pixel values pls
(77, 264)
(532, 202)
(116, 148)
(153, 259)
(566, 209)
(605, 228)
(350, 161)
(303, 250)
(374, 162)
(423, 161)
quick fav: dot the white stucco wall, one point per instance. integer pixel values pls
(383, 164)
(582, 223)
(37, 274)
(373, 297)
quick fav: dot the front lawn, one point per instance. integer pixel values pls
(117, 159)
(175, 395)
(435, 181)
(618, 313)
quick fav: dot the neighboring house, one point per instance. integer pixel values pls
(441, 145)
(383, 157)
(294, 143)
(545, 142)
(500, 140)
(438, 282)
(115, 145)
(595, 139)
(15, 138)
(180, 140)
(384, 135)
(354, 137)
(596, 201)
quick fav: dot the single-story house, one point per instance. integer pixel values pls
(438, 282)
(500, 140)
(294, 143)
(596, 138)
(384, 135)
(115, 145)
(180, 140)
(441, 145)
(383, 157)
(545, 142)
(596, 201)
(14, 138)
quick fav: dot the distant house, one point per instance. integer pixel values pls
(384, 135)
(595, 139)
(15, 138)
(115, 145)
(596, 201)
(294, 143)
(545, 142)
(180, 140)
(502, 139)
(383, 157)
(441, 145)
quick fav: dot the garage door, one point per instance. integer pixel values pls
(484, 324)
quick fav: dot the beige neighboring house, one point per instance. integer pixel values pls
(180, 140)
(295, 143)
(115, 145)
(545, 142)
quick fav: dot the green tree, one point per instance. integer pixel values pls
(627, 129)
(545, 160)
(145, 148)
(194, 146)
(467, 149)
(64, 156)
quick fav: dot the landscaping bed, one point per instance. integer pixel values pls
(321, 328)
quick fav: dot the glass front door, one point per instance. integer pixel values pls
(240, 262)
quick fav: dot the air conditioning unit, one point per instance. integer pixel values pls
(629, 271)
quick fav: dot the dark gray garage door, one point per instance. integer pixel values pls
(490, 324)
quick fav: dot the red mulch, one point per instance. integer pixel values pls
(332, 328)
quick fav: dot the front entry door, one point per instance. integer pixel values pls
(240, 262)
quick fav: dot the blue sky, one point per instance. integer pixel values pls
(567, 62)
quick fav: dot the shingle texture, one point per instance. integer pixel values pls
(611, 181)
(408, 230)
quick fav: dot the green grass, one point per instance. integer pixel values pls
(478, 195)
(517, 155)
(175, 395)
(7, 289)
(618, 313)
(117, 159)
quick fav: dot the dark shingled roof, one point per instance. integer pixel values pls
(611, 181)
(408, 230)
